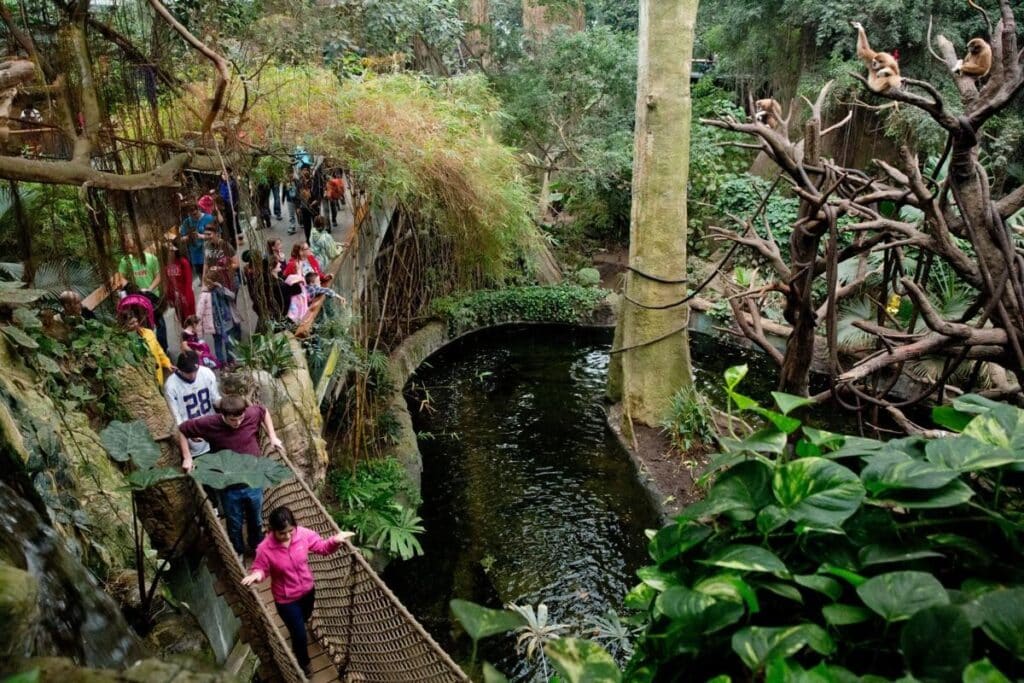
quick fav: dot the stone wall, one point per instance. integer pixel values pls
(56, 449)
(295, 410)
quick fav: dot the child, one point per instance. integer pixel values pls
(131, 320)
(192, 340)
(283, 556)
(313, 288)
(298, 305)
(217, 313)
(322, 244)
(236, 428)
(335, 195)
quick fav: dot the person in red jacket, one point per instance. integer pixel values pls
(178, 278)
(283, 556)
(303, 261)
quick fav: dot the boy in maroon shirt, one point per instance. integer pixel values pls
(234, 427)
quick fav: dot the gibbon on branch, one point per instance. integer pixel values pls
(959, 206)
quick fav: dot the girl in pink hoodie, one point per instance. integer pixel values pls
(283, 556)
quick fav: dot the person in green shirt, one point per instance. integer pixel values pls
(143, 266)
(142, 271)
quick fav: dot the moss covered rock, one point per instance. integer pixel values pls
(19, 611)
(83, 490)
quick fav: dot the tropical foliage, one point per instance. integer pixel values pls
(844, 555)
(558, 304)
(818, 556)
(376, 502)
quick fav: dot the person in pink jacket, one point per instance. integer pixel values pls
(283, 556)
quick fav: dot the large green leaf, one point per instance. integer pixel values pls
(17, 336)
(936, 643)
(952, 494)
(20, 297)
(822, 584)
(734, 375)
(967, 454)
(729, 587)
(816, 492)
(143, 479)
(132, 441)
(1002, 426)
(226, 468)
(672, 541)
(1002, 614)
(899, 595)
(482, 622)
(884, 554)
(748, 558)
(843, 615)
(755, 645)
(982, 671)
(694, 613)
(581, 661)
(787, 403)
(781, 670)
(742, 491)
(784, 423)
(657, 579)
(951, 418)
(768, 440)
(886, 472)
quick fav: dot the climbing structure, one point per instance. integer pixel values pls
(360, 631)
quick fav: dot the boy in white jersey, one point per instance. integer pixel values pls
(192, 392)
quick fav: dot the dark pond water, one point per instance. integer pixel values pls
(527, 497)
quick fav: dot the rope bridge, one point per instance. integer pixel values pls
(360, 631)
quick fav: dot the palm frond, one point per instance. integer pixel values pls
(849, 337)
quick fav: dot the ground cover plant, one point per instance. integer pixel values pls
(559, 304)
(376, 502)
(843, 555)
(822, 557)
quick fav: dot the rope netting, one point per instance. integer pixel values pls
(277, 662)
(366, 631)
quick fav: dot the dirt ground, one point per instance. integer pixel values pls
(662, 471)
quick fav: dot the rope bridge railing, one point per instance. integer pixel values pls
(277, 662)
(366, 631)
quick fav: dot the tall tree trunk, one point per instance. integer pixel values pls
(539, 20)
(658, 362)
(477, 37)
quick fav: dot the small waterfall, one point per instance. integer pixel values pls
(77, 620)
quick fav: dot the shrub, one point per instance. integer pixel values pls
(558, 304)
(368, 503)
(849, 555)
(689, 422)
(822, 557)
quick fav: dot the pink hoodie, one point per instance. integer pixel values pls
(288, 566)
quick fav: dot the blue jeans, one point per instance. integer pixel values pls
(220, 344)
(295, 615)
(291, 212)
(275, 194)
(244, 505)
(161, 331)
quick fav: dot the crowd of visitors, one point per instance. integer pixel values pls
(197, 271)
(203, 273)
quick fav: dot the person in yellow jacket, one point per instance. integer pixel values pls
(131, 323)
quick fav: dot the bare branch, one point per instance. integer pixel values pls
(221, 64)
(71, 173)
